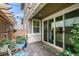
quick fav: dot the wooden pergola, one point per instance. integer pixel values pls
(6, 22)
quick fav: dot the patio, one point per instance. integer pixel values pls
(40, 49)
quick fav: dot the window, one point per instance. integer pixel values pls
(59, 41)
(72, 14)
(50, 31)
(59, 18)
(70, 18)
(59, 31)
(36, 25)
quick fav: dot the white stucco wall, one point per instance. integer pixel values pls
(34, 38)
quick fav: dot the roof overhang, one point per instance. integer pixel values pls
(51, 8)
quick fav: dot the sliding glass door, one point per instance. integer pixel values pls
(62, 34)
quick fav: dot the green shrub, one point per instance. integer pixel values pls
(6, 41)
(21, 39)
(65, 53)
(75, 38)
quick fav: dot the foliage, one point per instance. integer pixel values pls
(75, 37)
(21, 39)
(65, 53)
(6, 41)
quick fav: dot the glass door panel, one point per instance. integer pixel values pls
(59, 35)
(50, 32)
(70, 19)
(59, 31)
(45, 30)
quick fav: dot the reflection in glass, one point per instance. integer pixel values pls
(50, 32)
(45, 30)
(59, 36)
(68, 42)
(70, 19)
(36, 29)
(59, 31)
(36, 26)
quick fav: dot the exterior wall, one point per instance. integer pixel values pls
(30, 10)
(33, 37)
(28, 26)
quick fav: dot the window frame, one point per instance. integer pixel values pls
(36, 26)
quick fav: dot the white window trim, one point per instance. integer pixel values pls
(39, 25)
(63, 37)
(54, 31)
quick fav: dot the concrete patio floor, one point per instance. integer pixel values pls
(40, 49)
